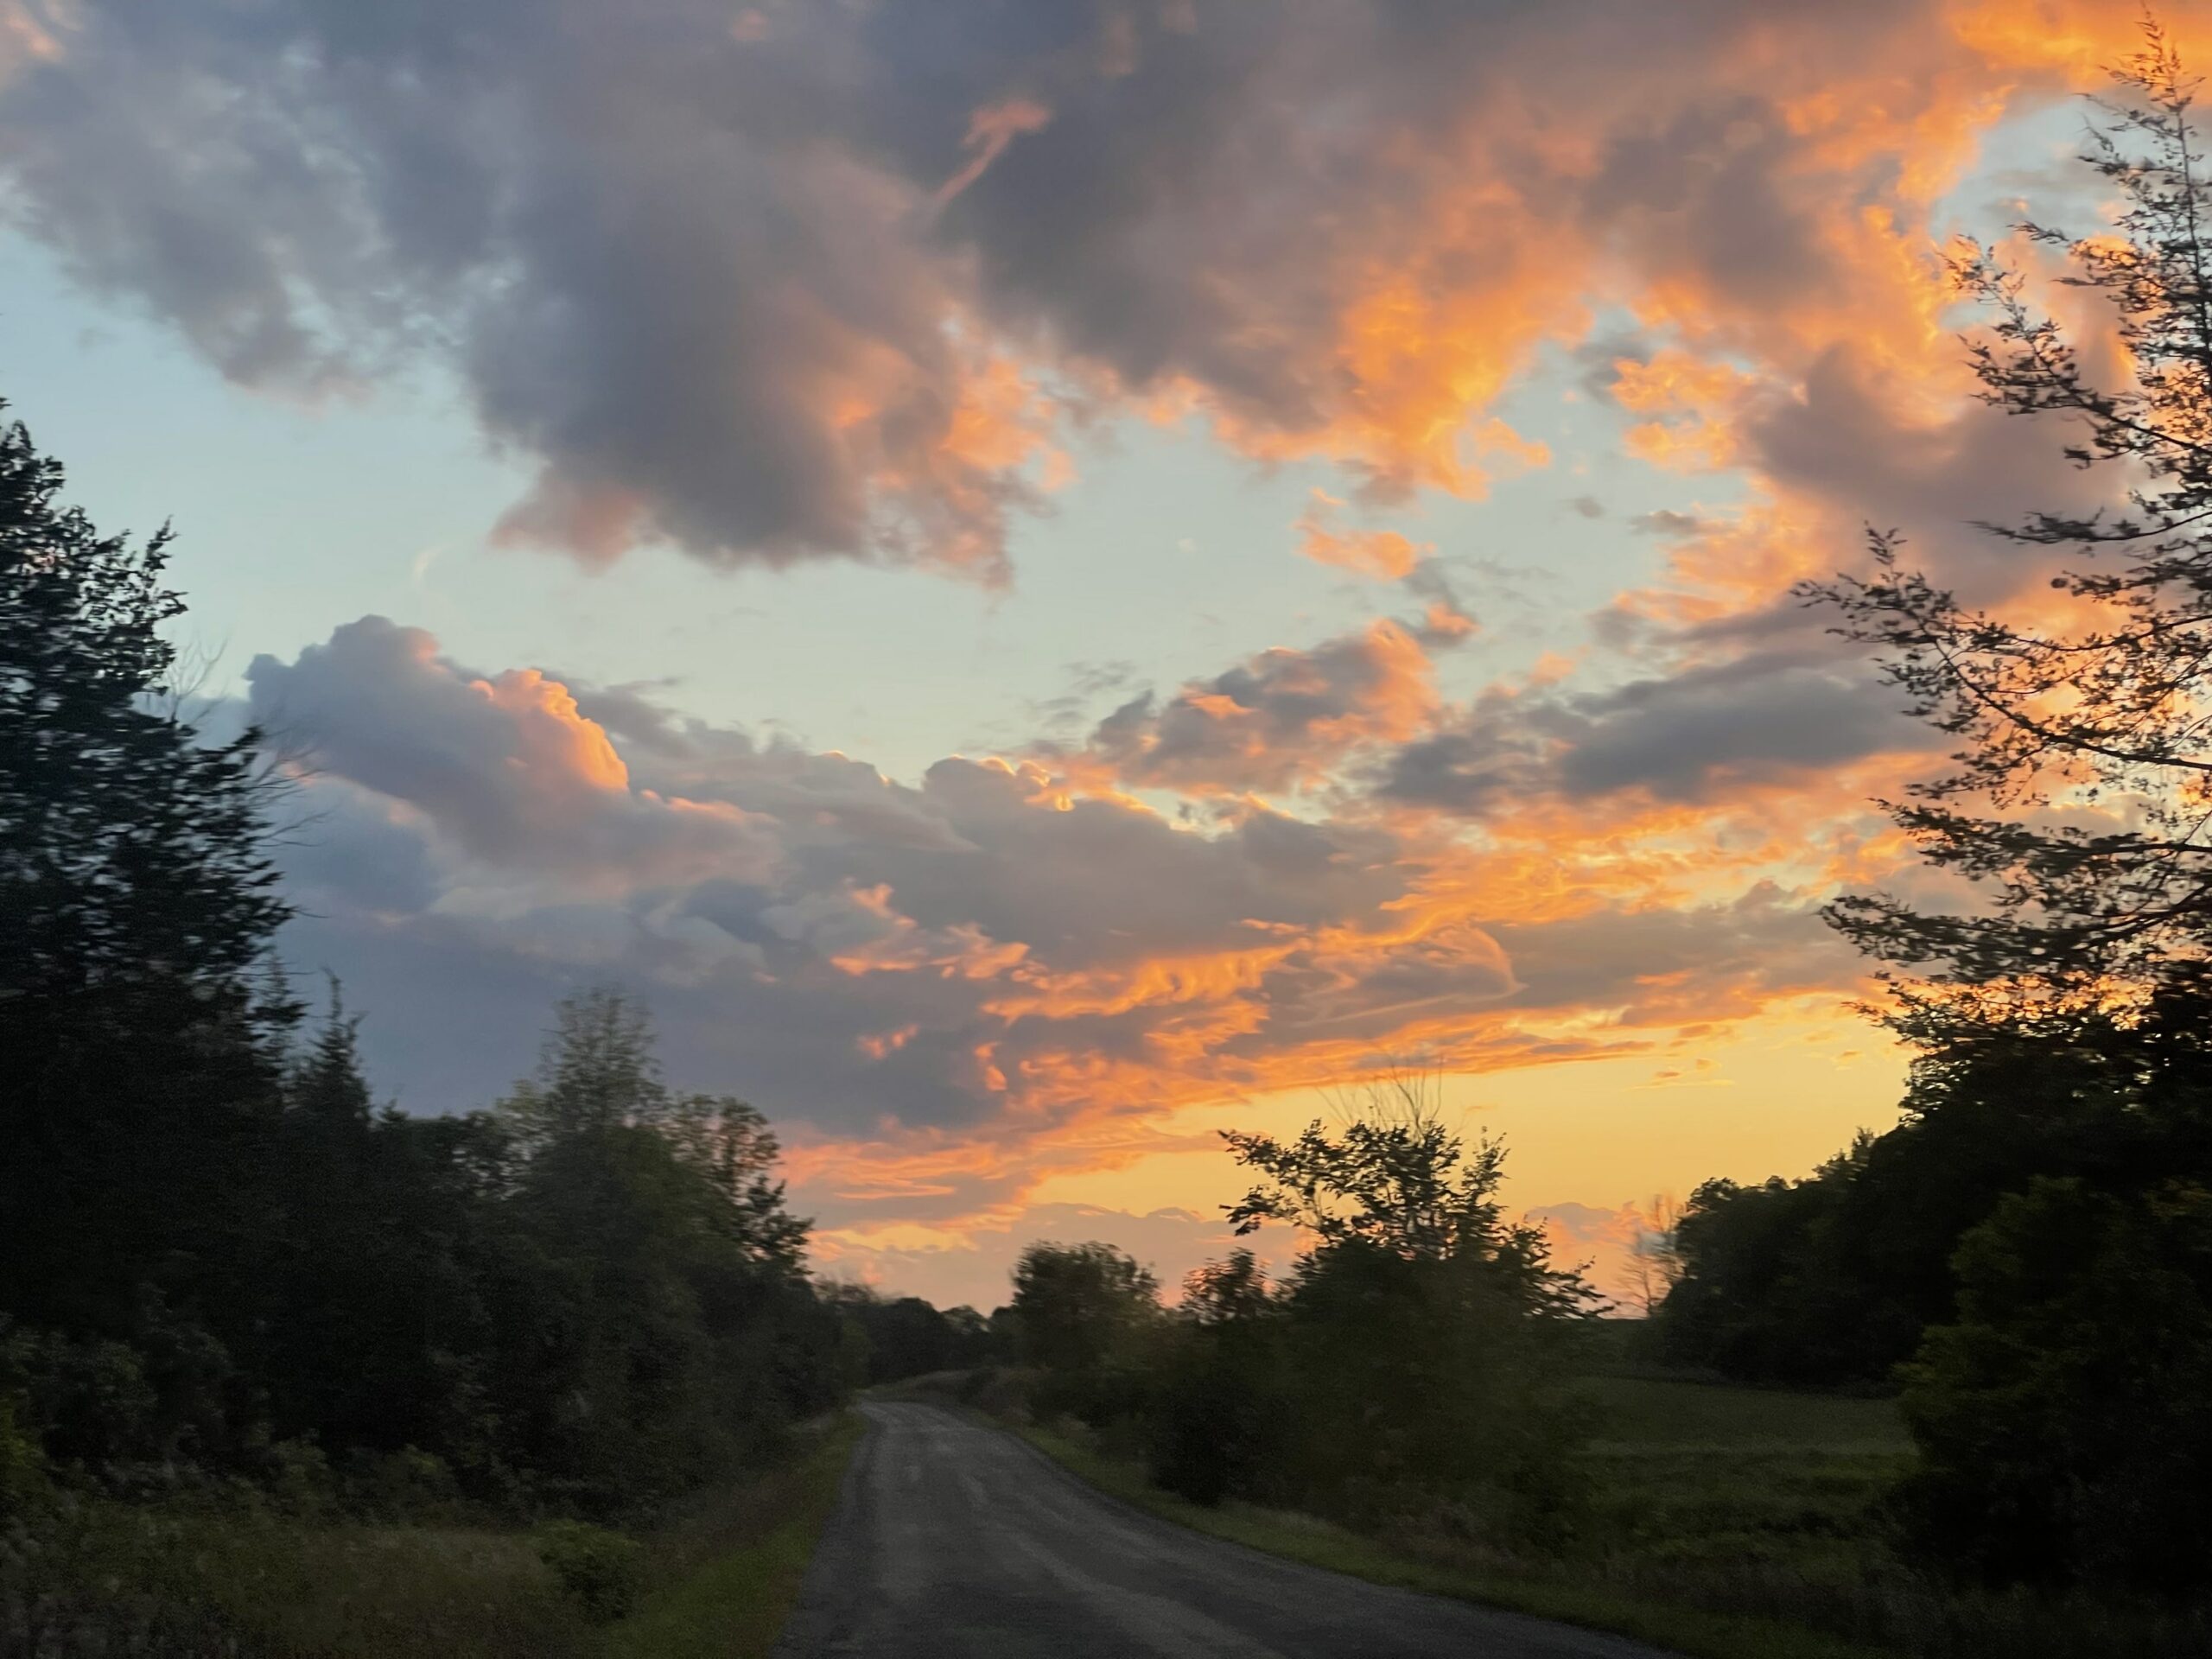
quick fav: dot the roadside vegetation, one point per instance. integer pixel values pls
(1713, 1519)
(285, 1371)
(716, 1574)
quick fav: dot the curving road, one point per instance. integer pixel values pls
(955, 1540)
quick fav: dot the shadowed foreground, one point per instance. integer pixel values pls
(955, 1539)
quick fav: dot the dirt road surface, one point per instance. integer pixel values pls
(956, 1541)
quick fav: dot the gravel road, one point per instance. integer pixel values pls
(955, 1540)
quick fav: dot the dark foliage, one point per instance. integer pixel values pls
(904, 1336)
(1083, 1317)
(1220, 1417)
(2036, 1227)
(1413, 1363)
(1076, 1306)
(1424, 1339)
(136, 901)
(2065, 1417)
(1831, 1280)
(223, 1263)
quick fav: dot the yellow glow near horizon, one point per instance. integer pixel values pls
(1775, 1098)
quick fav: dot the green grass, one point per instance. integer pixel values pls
(1702, 1633)
(745, 1563)
(1727, 1489)
(723, 1572)
(1722, 1523)
(1648, 1414)
(110, 1576)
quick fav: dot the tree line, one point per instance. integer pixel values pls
(2028, 1254)
(1414, 1360)
(225, 1267)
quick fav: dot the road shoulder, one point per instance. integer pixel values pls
(1692, 1632)
(737, 1603)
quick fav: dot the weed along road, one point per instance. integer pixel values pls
(956, 1541)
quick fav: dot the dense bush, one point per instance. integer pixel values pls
(600, 1571)
(1412, 1362)
(590, 1298)
(894, 1338)
(2065, 1419)
(1832, 1280)
(1220, 1418)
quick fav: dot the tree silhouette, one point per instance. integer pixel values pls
(136, 898)
(2094, 706)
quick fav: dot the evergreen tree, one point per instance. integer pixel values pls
(136, 899)
(327, 1087)
(128, 845)
(654, 1324)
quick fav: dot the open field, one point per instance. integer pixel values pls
(1769, 1493)
(1724, 1523)
(1638, 1413)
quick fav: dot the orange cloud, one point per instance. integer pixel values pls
(1384, 554)
(990, 130)
(1010, 970)
(1281, 720)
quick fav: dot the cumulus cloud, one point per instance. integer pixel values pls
(1788, 712)
(1756, 718)
(944, 990)
(801, 279)
(868, 952)
(506, 765)
(1281, 719)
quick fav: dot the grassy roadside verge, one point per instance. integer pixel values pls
(717, 1574)
(1590, 1603)
(738, 1573)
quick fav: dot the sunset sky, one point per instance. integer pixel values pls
(1044, 578)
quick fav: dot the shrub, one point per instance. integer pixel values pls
(403, 1485)
(22, 1471)
(2065, 1419)
(1211, 1430)
(1221, 1415)
(600, 1571)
